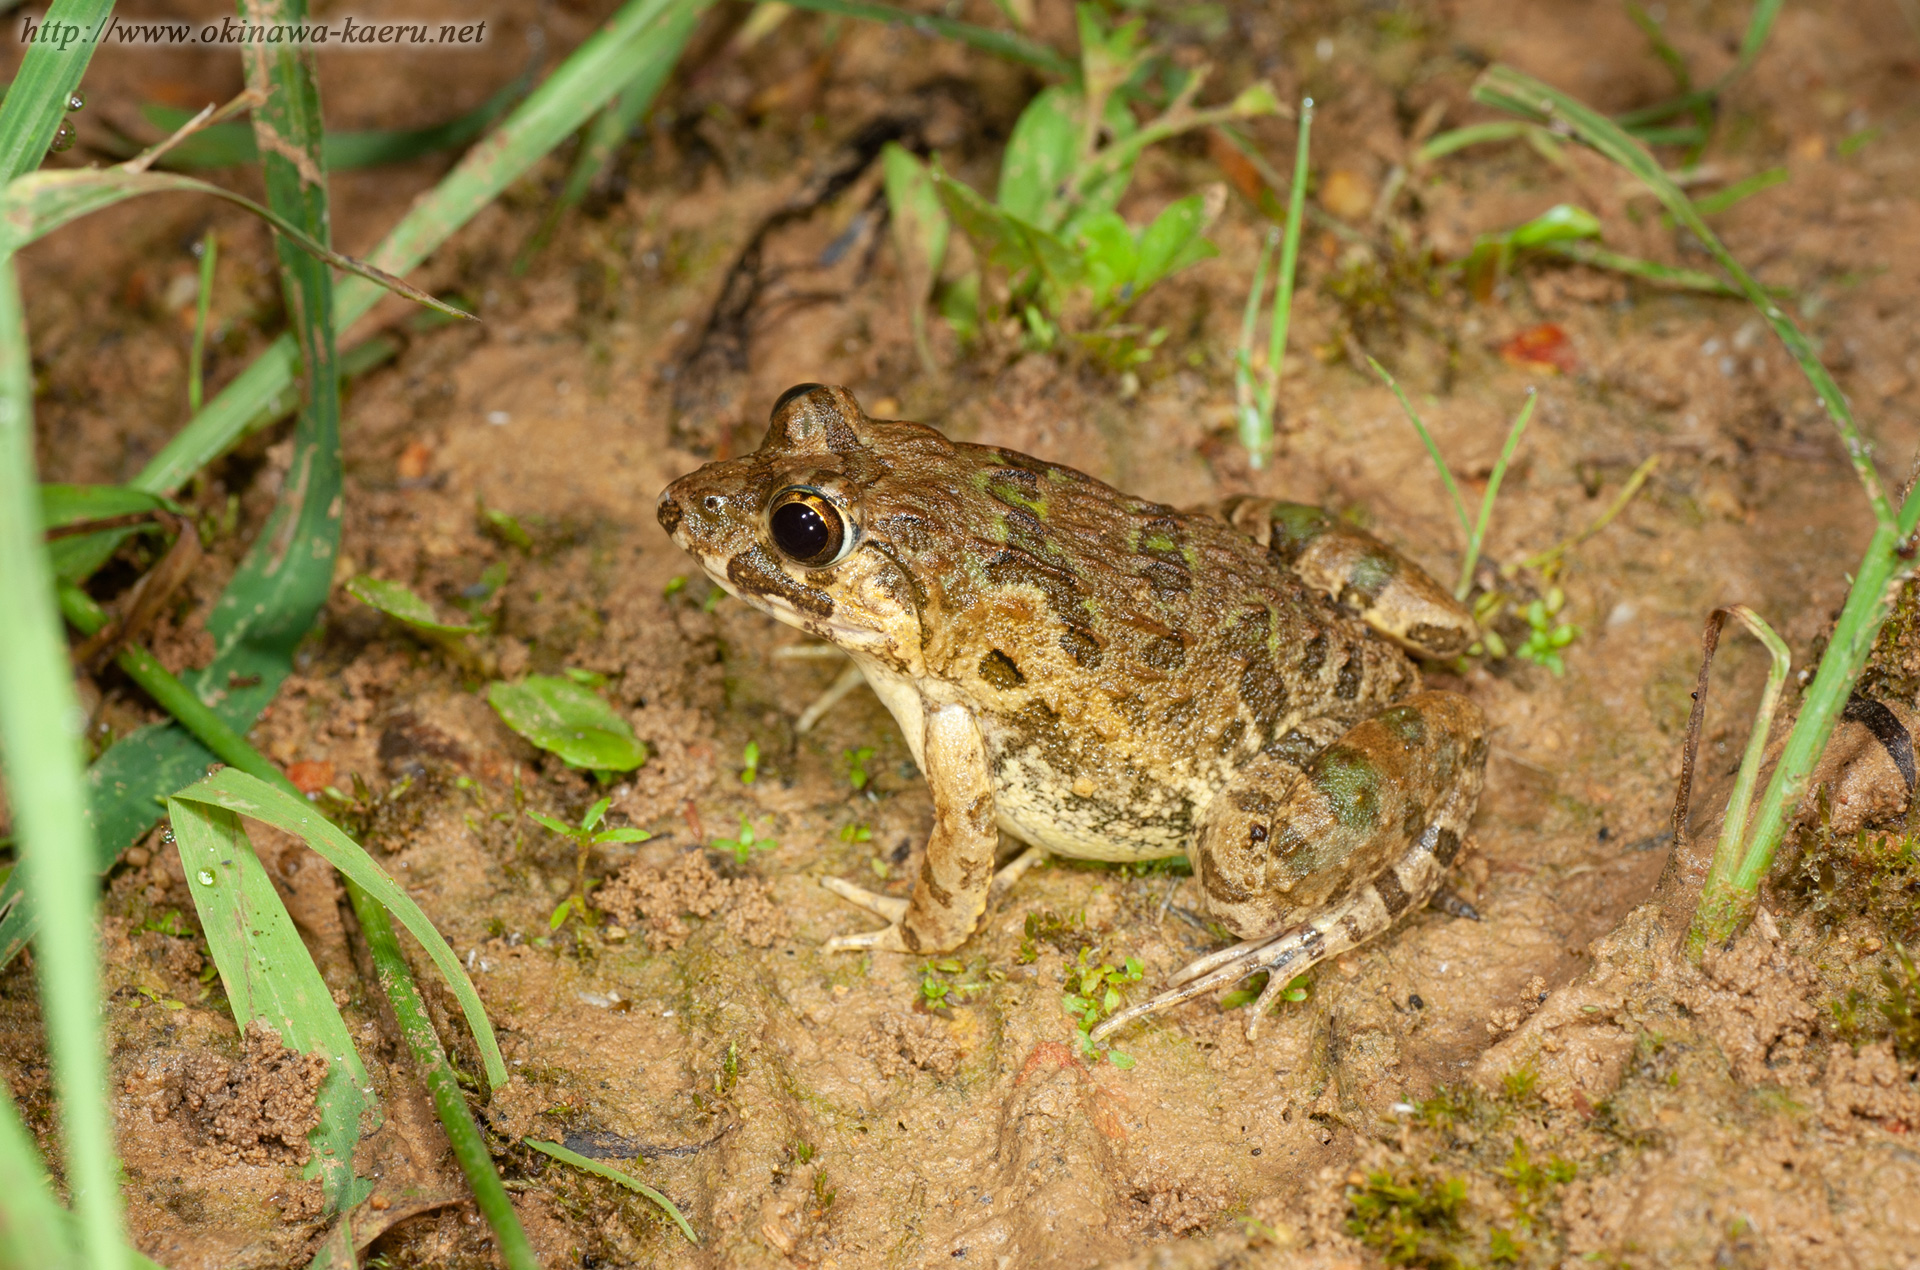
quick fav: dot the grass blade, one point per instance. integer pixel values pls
(232, 145)
(249, 795)
(203, 303)
(37, 100)
(627, 1180)
(32, 1227)
(1721, 200)
(611, 126)
(430, 1060)
(1015, 48)
(269, 975)
(583, 83)
(41, 758)
(1440, 464)
(1283, 282)
(1881, 569)
(1646, 270)
(35, 205)
(1479, 534)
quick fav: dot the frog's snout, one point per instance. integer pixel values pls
(668, 510)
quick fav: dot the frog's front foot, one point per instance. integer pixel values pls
(891, 938)
(889, 907)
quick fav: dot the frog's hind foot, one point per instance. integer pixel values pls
(892, 909)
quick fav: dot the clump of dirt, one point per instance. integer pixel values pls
(900, 1044)
(1757, 1000)
(662, 899)
(1874, 1084)
(258, 1109)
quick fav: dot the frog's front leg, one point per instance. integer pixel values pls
(1303, 865)
(956, 873)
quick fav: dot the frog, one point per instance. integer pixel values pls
(1105, 677)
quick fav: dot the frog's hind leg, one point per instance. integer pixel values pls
(1305, 864)
(1338, 926)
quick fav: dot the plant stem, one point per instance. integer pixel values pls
(430, 1061)
(1479, 533)
(1619, 503)
(196, 354)
(1717, 896)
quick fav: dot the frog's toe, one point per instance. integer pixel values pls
(886, 939)
(890, 907)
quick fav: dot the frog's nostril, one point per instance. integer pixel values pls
(669, 513)
(713, 503)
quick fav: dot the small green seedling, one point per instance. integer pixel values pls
(585, 836)
(1052, 230)
(857, 775)
(745, 844)
(750, 763)
(856, 831)
(675, 585)
(1095, 993)
(1547, 634)
(936, 992)
(418, 616)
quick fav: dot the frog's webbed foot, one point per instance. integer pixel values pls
(1282, 956)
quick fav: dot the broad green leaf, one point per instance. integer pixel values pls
(559, 826)
(1040, 154)
(402, 605)
(1103, 194)
(1560, 223)
(1111, 256)
(1033, 256)
(1173, 241)
(595, 812)
(233, 790)
(560, 716)
(270, 976)
(920, 225)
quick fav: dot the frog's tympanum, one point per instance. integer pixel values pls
(1111, 679)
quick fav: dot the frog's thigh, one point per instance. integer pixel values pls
(1393, 595)
(1279, 844)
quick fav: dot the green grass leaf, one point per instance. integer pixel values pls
(564, 718)
(35, 205)
(632, 1183)
(1014, 48)
(78, 556)
(228, 145)
(40, 757)
(599, 68)
(403, 606)
(236, 791)
(36, 101)
(269, 975)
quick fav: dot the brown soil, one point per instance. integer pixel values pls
(1549, 1085)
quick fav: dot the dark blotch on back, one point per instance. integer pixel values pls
(1167, 653)
(1347, 687)
(998, 669)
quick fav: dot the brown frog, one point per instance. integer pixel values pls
(1109, 678)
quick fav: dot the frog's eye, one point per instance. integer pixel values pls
(807, 526)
